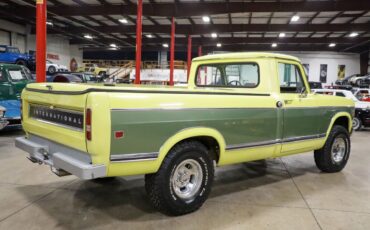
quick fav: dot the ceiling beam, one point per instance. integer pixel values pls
(245, 40)
(225, 28)
(202, 8)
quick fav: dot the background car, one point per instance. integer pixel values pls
(346, 80)
(12, 55)
(13, 79)
(362, 94)
(55, 68)
(63, 77)
(358, 80)
(362, 108)
(315, 85)
(93, 68)
(3, 122)
(86, 77)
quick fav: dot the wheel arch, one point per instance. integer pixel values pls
(342, 118)
(207, 136)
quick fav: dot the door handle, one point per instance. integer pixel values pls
(279, 104)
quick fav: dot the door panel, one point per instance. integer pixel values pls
(300, 112)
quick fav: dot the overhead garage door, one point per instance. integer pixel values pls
(21, 43)
(4, 37)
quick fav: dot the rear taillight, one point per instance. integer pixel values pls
(88, 124)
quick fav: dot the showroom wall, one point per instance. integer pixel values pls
(58, 48)
(332, 60)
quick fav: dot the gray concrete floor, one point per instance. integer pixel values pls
(287, 193)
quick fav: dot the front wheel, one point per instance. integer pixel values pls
(334, 155)
(52, 69)
(184, 180)
(357, 124)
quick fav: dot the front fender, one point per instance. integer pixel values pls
(335, 117)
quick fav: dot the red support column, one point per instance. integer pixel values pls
(138, 40)
(199, 51)
(172, 51)
(189, 55)
(41, 40)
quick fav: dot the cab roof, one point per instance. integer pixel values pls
(245, 55)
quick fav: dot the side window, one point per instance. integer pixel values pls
(244, 75)
(2, 77)
(2, 49)
(339, 94)
(290, 78)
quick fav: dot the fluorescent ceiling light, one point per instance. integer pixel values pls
(49, 23)
(353, 34)
(206, 19)
(295, 18)
(219, 44)
(332, 45)
(123, 20)
(113, 45)
(165, 45)
(149, 36)
(281, 35)
(273, 45)
(88, 36)
(214, 35)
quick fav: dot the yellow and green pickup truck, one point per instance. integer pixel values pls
(237, 107)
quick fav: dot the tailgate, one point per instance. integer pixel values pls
(57, 117)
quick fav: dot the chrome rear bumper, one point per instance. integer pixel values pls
(60, 158)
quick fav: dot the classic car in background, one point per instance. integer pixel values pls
(346, 80)
(12, 55)
(52, 67)
(63, 77)
(362, 108)
(3, 121)
(315, 85)
(13, 78)
(86, 77)
(358, 80)
(93, 68)
(362, 94)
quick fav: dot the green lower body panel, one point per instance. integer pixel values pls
(146, 130)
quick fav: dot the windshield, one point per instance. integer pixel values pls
(19, 74)
(13, 50)
(90, 77)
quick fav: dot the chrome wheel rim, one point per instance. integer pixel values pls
(338, 149)
(355, 123)
(186, 179)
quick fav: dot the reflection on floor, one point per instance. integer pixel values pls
(287, 193)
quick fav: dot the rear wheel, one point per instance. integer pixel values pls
(184, 180)
(357, 124)
(21, 62)
(334, 155)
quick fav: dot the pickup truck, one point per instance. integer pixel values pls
(12, 55)
(237, 107)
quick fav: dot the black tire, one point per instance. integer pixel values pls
(357, 124)
(52, 69)
(21, 62)
(161, 186)
(325, 158)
